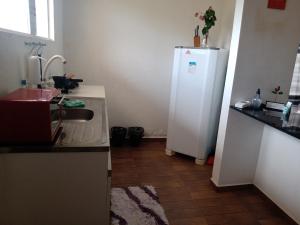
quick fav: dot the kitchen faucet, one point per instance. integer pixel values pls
(63, 60)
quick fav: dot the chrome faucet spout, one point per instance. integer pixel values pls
(61, 58)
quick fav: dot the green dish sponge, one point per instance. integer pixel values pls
(74, 104)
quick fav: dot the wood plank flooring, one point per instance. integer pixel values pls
(185, 190)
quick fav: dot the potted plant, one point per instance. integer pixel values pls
(209, 19)
(277, 91)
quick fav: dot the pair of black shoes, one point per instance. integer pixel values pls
(118, 135)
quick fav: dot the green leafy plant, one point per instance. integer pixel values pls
(209, 18)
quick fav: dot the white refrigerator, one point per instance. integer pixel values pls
(196, 97)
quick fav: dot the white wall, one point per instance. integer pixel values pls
(268, 48)
(248, 151)
(278, 170)
(234, 48)
(127, 46)
(13, 53)
(266, 54)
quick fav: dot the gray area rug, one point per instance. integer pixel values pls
(136, 206)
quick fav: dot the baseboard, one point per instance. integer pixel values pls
(165, 137)
(154, 139)
(231, 187)
(253, 187)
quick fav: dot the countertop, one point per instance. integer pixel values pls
(273, 121)
(88, 91)
(83, 140)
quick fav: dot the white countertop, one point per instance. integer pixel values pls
(88, 91)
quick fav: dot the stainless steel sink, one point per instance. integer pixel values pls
(74, 115)
(77, 115)
(85, 127)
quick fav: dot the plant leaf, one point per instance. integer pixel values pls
(204, 30)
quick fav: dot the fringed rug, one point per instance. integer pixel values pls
(136, 206)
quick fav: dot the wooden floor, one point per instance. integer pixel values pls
(185, 190)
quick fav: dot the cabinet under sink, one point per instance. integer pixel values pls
(67, 183)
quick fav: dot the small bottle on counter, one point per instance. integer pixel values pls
(24, 84)
(256, 101)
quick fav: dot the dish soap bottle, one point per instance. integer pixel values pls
(256, 101)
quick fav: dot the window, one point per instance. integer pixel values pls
(15, 18)
(35, 17)
(295, 86)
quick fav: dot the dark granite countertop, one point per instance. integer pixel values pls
(270, 119)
